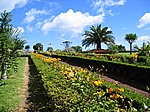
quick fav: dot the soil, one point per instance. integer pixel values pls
(34, 97)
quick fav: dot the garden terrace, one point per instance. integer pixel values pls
(136, 76)
(79, 89)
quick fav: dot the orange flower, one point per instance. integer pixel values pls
(110, 90)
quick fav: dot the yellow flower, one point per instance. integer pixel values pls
(99, 93)
(134, 55)
(97, 83)
(71, 74)
(120, 89)
(58, 59)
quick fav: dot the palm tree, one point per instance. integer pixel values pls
(144, 50)
(97, 36)
(130, 38)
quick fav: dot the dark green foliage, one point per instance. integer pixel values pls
(77, 48)
(121, 48)
(49, 49)
(38, 47)
(27, 47)
(144, 50)
(96, 36)
(10, 43)
(112, 48)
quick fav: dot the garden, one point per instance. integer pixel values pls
(71, 80)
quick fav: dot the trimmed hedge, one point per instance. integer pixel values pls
(139, 74)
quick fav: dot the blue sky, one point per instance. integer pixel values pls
(45, 21)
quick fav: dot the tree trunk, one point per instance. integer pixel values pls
(4, 70)
(130, 48)
(98, 44)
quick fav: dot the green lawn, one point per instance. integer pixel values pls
(10, 88)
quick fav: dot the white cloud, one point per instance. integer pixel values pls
(30, 15)
(102, 5)
(71, 22)
(29, 28)
(54, 5)
(63, 39)
(144, 20)
(38, 25)
(144, 38)
(9, 5)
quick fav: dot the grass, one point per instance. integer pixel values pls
(10, 88)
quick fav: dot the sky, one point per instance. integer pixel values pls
(56, 21)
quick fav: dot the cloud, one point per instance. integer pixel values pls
(102, 5)
(144, 38)
(9, 5)
(54, 5)
(71, 22)
(144, 20)
(63, 39)
(29, 28)
(38, 25)
(30, 15)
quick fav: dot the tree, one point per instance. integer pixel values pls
(130, 38)
(67, 44)
(77, 48)
(38, 47)
(49, 49)
(10, 43)
(144, 50)
(121, 48)
(97, 36)
(112, 48)
(27, 47)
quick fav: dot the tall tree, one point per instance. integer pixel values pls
(10, 42)
(130, 38)
(67, 44)
(97, 36)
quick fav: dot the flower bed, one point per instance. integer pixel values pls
(77, 89)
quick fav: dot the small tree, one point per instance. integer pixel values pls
(112, 48)
(38, 47)
(49, 49)
(121, 48)
(10, 43)
(27, 47)
(77, 48)
(144, 50)
(130, 38)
